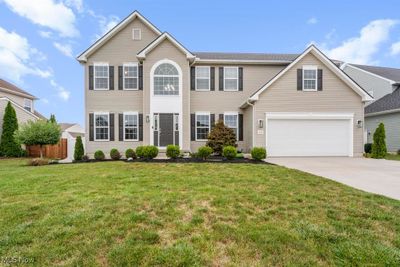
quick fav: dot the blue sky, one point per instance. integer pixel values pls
(40, 39)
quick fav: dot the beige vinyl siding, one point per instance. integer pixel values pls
(20, 100)
(166, 50)
(217, 102)
(336, 97)
(118, 50)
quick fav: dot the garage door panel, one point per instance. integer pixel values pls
(308, 137)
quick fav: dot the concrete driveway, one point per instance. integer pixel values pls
(371, 175)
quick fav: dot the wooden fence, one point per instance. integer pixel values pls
(58, 151)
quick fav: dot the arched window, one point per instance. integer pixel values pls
(166, 80)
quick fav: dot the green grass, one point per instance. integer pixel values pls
(127, 214)
(392, 157)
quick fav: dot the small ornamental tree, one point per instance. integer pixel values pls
(53, 118)
(39, 133)
(79, 150)
(379, 150)
(221, 136)
(9, 146)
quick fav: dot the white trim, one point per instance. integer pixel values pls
(19, 106)
(83, 57)
(130, 64)
(368, 72)
(195, 124)
(101, 64)
(314, 68)
(313, 116)
(94, 126)
(312, 49)
(137, 125)
(18, 93)
(209, 79)
(142, 54)
(235, 113)
(237, 79)
(133, 34)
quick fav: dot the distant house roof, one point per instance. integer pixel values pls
(385, 72)
(246, 56)
(389, 102)
(65, 126)
(7, 86)
(39, 115)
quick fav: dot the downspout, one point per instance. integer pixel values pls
(252, 122)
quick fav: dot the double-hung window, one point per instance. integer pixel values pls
(310, 78)
(202, 78)
(231, 78)
(28, 104)
(101, 76)
(231, 121)
(130, 76)
(101, 126)
(202, 126)
(131, 125)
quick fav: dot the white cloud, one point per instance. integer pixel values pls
(46, 34)
(76, 4)
(47, 13)
(361, 49)
(18, 58)
(65, 49)
(61, 91)
(312, 20)
(105, 23)
(395, 49)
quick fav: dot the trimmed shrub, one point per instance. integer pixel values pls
(368, 148)
(85, 158)
(140, 152)
(9, 145)
(229, 152)
(379, 150)
(204, 152)
(79, 150)
(173, 151)
(258, 153)
(99, 155)
(398, 152)
(220, 137)
(150, 152)
(38, 162)
(114, 154)
(130, 153)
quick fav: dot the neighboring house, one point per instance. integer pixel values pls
(384, 84)
(70, 131)
(144, 87)
(22, 101)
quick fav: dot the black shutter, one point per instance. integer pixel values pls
(221, 78)
(240, 79)
(111, 74)
(221, 117)
(91, 127)
(121, 126)
(112, 127)
(91, 78)
(299, 79)
(140, 77)
(192, 78)
(320, 73)
(140, 127)
(212, 79)
(120, 78)
(193, 127)
(240, 127)
(212, 120)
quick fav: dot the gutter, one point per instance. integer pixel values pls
(382, 112)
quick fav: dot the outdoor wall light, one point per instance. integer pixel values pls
(260, 124)
(147, 118)
(359, 123)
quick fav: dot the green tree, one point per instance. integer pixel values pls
(40, 133)
(79, 150)
(53, 118)
(221, 136)
(9, 146)
(379, 150)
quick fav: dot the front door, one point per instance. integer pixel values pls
(166, 130)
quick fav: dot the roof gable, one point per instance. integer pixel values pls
(165, 36)
(106, 37)
(328, 63)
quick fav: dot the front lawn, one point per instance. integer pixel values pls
(124, 214)
(392, 157)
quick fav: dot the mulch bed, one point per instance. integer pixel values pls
(184, 160)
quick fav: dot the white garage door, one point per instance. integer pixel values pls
(314, 136)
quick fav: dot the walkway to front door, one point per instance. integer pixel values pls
(166, 129)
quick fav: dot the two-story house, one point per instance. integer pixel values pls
(142, 86)
(22, 101)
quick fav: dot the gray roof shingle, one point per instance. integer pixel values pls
(388, 73)
(388, 102)
(245, 56)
